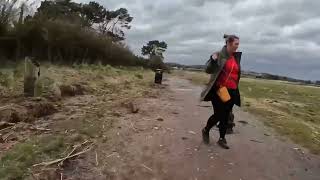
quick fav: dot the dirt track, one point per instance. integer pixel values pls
(163, 141)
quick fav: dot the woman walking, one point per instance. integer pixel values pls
(222, 90)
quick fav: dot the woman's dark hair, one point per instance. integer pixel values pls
(230, 38)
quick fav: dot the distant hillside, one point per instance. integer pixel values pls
(176, 65)
(278, 77)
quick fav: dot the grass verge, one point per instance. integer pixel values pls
(16, 163)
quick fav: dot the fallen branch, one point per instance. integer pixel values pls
(65, 158)
(192, 132)
(39, 129)
(79, 145)
(61, 163)
(6, 128)
(74, 148)
(97, 163)
(6, 124)
(146, 167)
(4, 107)
(256, 141)
(111, 155)
(7, 136)
(133, 126)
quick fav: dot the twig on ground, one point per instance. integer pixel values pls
(74, 148)
(61, 163)
(39, 129)
(146, 167)
(4, 107)
(7, 136)
(6, 123)
(11, 125)
(133, 126)
(111, 155)
(192, 132)
(79, 145)
(256, 141)
(88, 148)
(6, 128)
(97, 163)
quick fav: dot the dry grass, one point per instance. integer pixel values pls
(82, 117)
(195, 77)
(98, 78)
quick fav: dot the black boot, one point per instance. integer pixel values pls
(229, 131)
(205, 136)
(223, 143)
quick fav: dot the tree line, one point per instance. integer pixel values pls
(63, 31)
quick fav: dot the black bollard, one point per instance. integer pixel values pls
(158, 76)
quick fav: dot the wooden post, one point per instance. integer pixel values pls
(30, 77)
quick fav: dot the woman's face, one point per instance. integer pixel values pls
(234, 45)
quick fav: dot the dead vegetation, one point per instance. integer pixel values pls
(72, 90)
(26, 111)
(75, 105)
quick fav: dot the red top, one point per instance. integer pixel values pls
(229, 75)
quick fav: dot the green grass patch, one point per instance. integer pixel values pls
(296, 100)
(16, 163)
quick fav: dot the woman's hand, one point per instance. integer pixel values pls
(215, 56)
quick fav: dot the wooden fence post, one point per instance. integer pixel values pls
(31, 74)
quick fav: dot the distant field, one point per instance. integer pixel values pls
(292, 110)
(198, 78)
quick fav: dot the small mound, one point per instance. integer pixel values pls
(13, 113)
(72, 90)
(40, 109)
(26, 111)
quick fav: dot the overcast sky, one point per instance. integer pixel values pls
(276, 36)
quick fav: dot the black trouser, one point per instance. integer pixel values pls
(221, 113)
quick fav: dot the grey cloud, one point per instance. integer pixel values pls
(197, 3)
(307, 30)
(288, 18)
(276, 36)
